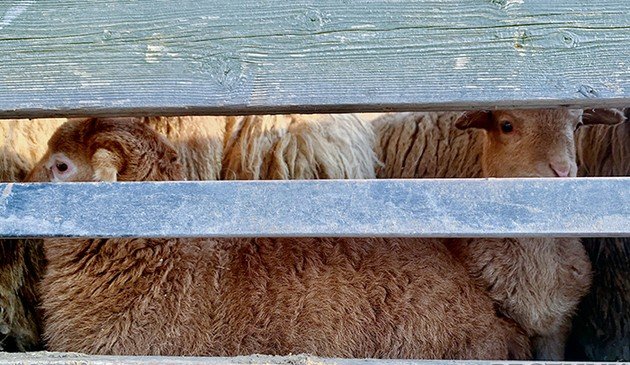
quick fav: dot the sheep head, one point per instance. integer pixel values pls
(528, 142)
(107, 149)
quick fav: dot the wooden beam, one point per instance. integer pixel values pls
(356, 208)
(159, 57)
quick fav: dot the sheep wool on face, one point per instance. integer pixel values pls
(385, 298)
(526, 143)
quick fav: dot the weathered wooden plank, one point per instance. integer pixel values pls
(359, 208)
(51, 358)
(76, 57)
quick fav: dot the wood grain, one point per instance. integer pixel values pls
(160, 57)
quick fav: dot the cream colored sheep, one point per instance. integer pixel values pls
(400, 298)
(426, 145)
(22, 144)
(298, 147)
(265, 147)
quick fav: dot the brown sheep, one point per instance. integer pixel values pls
(428, 145)
(209, 148)
(22, 143)
(514, 270)
(601, 328)
(400, 298)
(536, 281)
(271, 147)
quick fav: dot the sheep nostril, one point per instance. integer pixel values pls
(561, 169)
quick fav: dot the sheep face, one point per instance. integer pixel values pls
(110, 149)
(526, 143)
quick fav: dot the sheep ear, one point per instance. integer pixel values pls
(106, 165)
(475, 119)
(603, 116)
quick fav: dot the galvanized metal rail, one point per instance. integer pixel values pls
(360, 208)
(51, 358)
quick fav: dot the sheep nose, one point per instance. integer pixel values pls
(562, 169)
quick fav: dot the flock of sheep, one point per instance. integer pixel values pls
(512, 298)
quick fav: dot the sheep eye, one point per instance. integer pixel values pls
(62, 167)
(506, 127)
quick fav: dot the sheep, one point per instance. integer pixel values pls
(604, 149)
(538, 282)
(601, 328)
(240, 147)
(266, 147)
(401, 298)
(270, 147)
(22, 143)
(297, 146)
(516, 271)
(275, 147)
(198, 141)
(210, 148)
(431, 146)
(426, 145)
